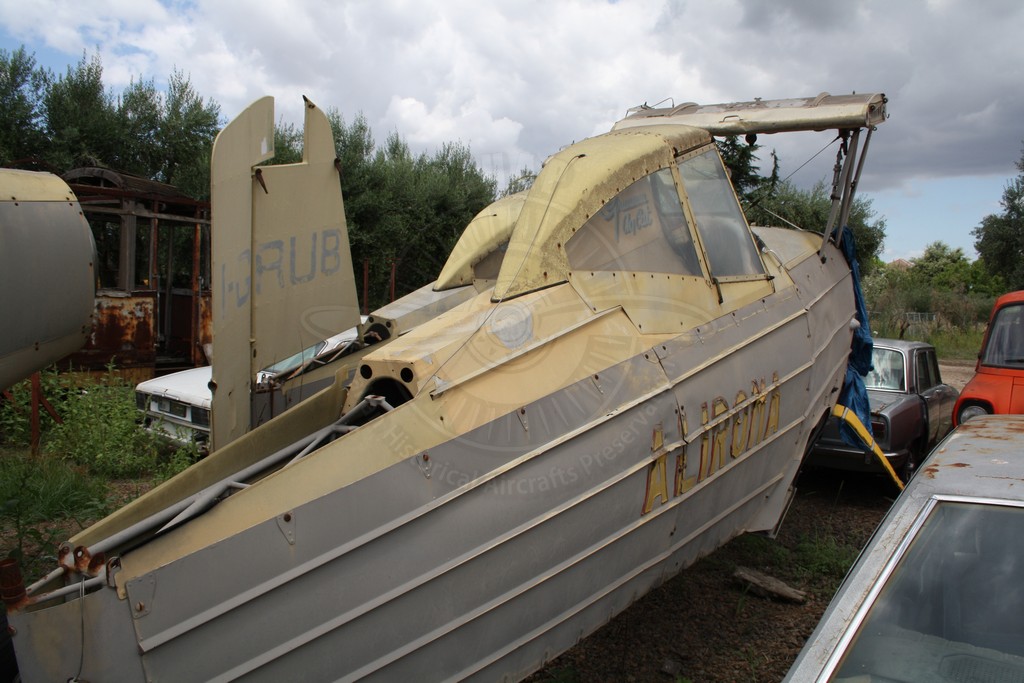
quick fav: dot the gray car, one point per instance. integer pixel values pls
(938, 593)
(911, 410)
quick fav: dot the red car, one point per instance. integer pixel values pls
(998, 382)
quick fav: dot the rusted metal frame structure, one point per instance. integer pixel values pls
(104, 193)
(37, 401)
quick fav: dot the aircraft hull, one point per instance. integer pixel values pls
(488, 554)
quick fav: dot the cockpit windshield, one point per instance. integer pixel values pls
(1005, 345)
(720, 222)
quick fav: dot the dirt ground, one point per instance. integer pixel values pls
(957, 373)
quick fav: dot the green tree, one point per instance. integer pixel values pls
(888, 288)
(943, 267)
(449, 190)
(984, 283)
(950, 285)
(188, 127)
(81, 118)
(809, 210)
(22, 85)
(1000, 237)
(355, 148)
(162, 136)
(941, 281)
(404, 208)
(741, 160)
(288, 141)
(521, 182)
(139, 113)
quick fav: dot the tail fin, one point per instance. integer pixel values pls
(282, 269)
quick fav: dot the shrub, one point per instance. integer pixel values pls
(178, 460)
(102, 431)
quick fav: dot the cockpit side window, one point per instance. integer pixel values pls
(643, 228)
(723, 229)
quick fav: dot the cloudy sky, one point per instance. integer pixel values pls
(516, 80)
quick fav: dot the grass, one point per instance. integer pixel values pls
(820, 555)
(80, 473)
(814, 557)
(956, 344)
(41, 498)
(951, 343)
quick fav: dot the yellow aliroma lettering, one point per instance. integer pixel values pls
(754, 431)
(712, 441)
(705, 444)
(657, 483)
(771, 425)
(718, 408)
(739, 426)
(657, 438)
(757, 417)
(682, 483)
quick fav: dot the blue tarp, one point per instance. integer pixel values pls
(854, 395)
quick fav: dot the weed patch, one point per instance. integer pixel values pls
(97, 459)
(34, 494)
(101, 431)
(821, 556)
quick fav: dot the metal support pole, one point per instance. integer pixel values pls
(36, 394)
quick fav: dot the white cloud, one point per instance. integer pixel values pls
(494, 142)
(518, 80)
(73, 27)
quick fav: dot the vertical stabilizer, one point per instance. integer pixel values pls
(282, 275)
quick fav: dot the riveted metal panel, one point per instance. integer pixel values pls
(46, 273)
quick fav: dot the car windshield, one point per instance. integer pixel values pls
(887, 371)
(953, 607)
(1006, 338)
(294, 361)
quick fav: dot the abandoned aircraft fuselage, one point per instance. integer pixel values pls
(42, 232)
(633, 383)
